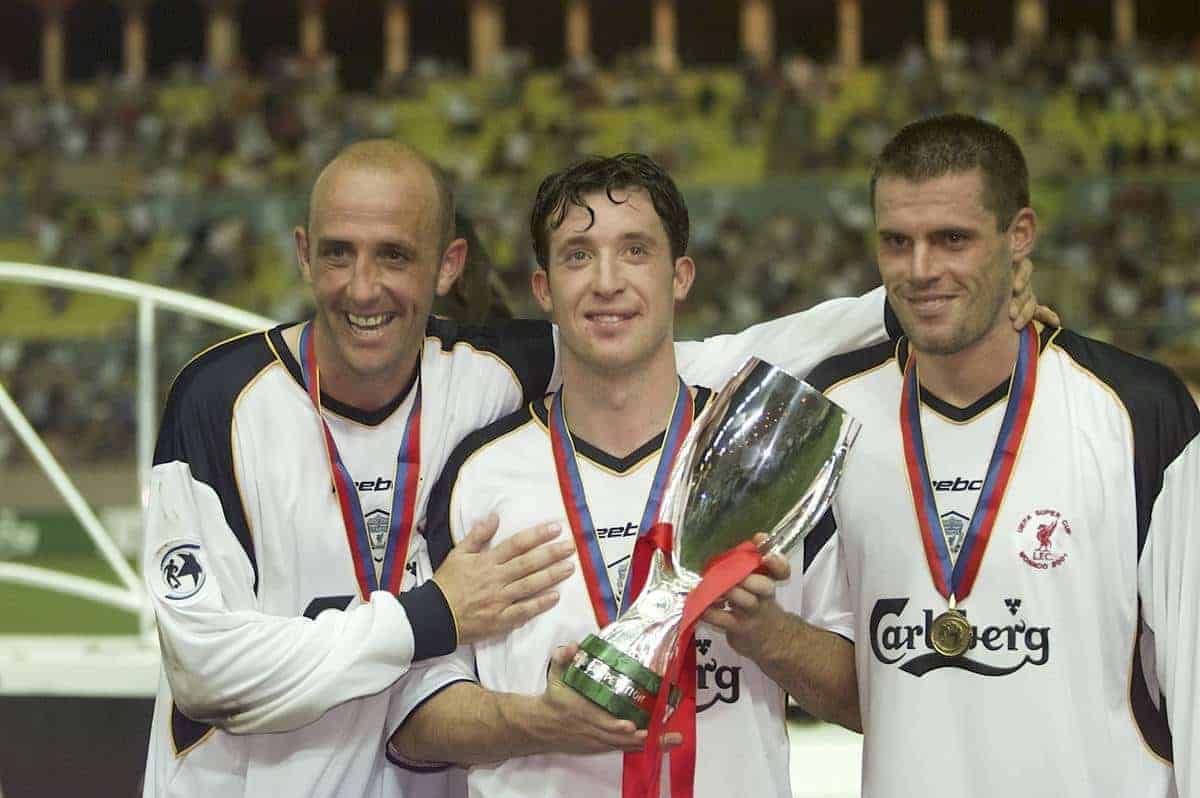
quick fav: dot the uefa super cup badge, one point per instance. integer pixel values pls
(1042, 539)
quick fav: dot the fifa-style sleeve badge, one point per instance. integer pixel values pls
(181, 570)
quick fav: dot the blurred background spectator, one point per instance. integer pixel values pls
(191, 174)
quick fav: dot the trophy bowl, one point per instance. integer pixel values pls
(765, 455)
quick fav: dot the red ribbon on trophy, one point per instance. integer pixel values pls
(642, 771)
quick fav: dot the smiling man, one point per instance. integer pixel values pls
(611, 236)
(1018, 518)
(293, 467)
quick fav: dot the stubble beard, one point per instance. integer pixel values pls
(979, 319)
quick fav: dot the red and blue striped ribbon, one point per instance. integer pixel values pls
(570, 483)
(956, 578)
(404, 490)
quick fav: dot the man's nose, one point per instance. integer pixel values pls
(924, 266)
(364, 281)
(609, 279)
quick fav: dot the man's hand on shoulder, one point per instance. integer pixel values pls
(494, 590)
(1024, 307)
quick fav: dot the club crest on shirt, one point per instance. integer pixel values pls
(1042, 539)
(954, 527)
(377, 532)
(181, 568)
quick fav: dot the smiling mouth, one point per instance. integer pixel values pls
(609, 319)
(929, 303)
(369, 325)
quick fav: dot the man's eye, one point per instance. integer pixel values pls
(637, 250)
(336, 251)
(893, 242)
(578, 255)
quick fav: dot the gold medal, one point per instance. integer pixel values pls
(950, 633)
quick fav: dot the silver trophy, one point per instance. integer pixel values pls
(764, 456)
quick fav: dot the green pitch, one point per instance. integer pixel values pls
(62, 546)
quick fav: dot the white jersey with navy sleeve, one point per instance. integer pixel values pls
(794, 343)
(1082, 676)
(271, 662)
(508, 468)
(277, 674)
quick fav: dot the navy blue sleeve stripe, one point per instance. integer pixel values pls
(526, 345)
(185, 732)
(1163, 414)
(197, 424)
(431, 620)
(816, 540)
(831, 371)
(1151, 720)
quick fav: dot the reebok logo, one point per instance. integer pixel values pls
(957, 485)
(630, 530)
(379, 484)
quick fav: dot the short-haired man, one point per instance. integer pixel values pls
(611, 238)
(293, 468)
(291, 475)
(1018, 518)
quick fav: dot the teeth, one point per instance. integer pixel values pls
(368, 321)
(608, 318)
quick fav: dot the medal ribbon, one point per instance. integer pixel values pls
(404, 488)
(641, 774)
(954, 581)
(570, 484)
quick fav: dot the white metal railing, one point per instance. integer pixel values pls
(149, 299)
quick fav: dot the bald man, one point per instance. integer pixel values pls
(291, 478)
(306, 599)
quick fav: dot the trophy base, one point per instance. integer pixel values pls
(616, 682)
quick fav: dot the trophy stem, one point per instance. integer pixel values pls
(621, 668)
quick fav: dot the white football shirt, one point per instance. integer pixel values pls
(271, 664)
(1082, 675)
(508, 468)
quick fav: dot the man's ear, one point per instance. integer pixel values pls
(685, 274)
(540, 283)
(300, 236)
(454, 260)
(1022, 234)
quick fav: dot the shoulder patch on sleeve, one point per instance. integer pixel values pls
(182, 571)
(197, 422)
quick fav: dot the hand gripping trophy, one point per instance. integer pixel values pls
(764, 456)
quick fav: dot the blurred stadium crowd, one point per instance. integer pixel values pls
(194, 183)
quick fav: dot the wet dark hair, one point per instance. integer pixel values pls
(561, 190)
(957, 143)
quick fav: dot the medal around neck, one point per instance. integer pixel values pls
(950, 634)
(765, 455)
